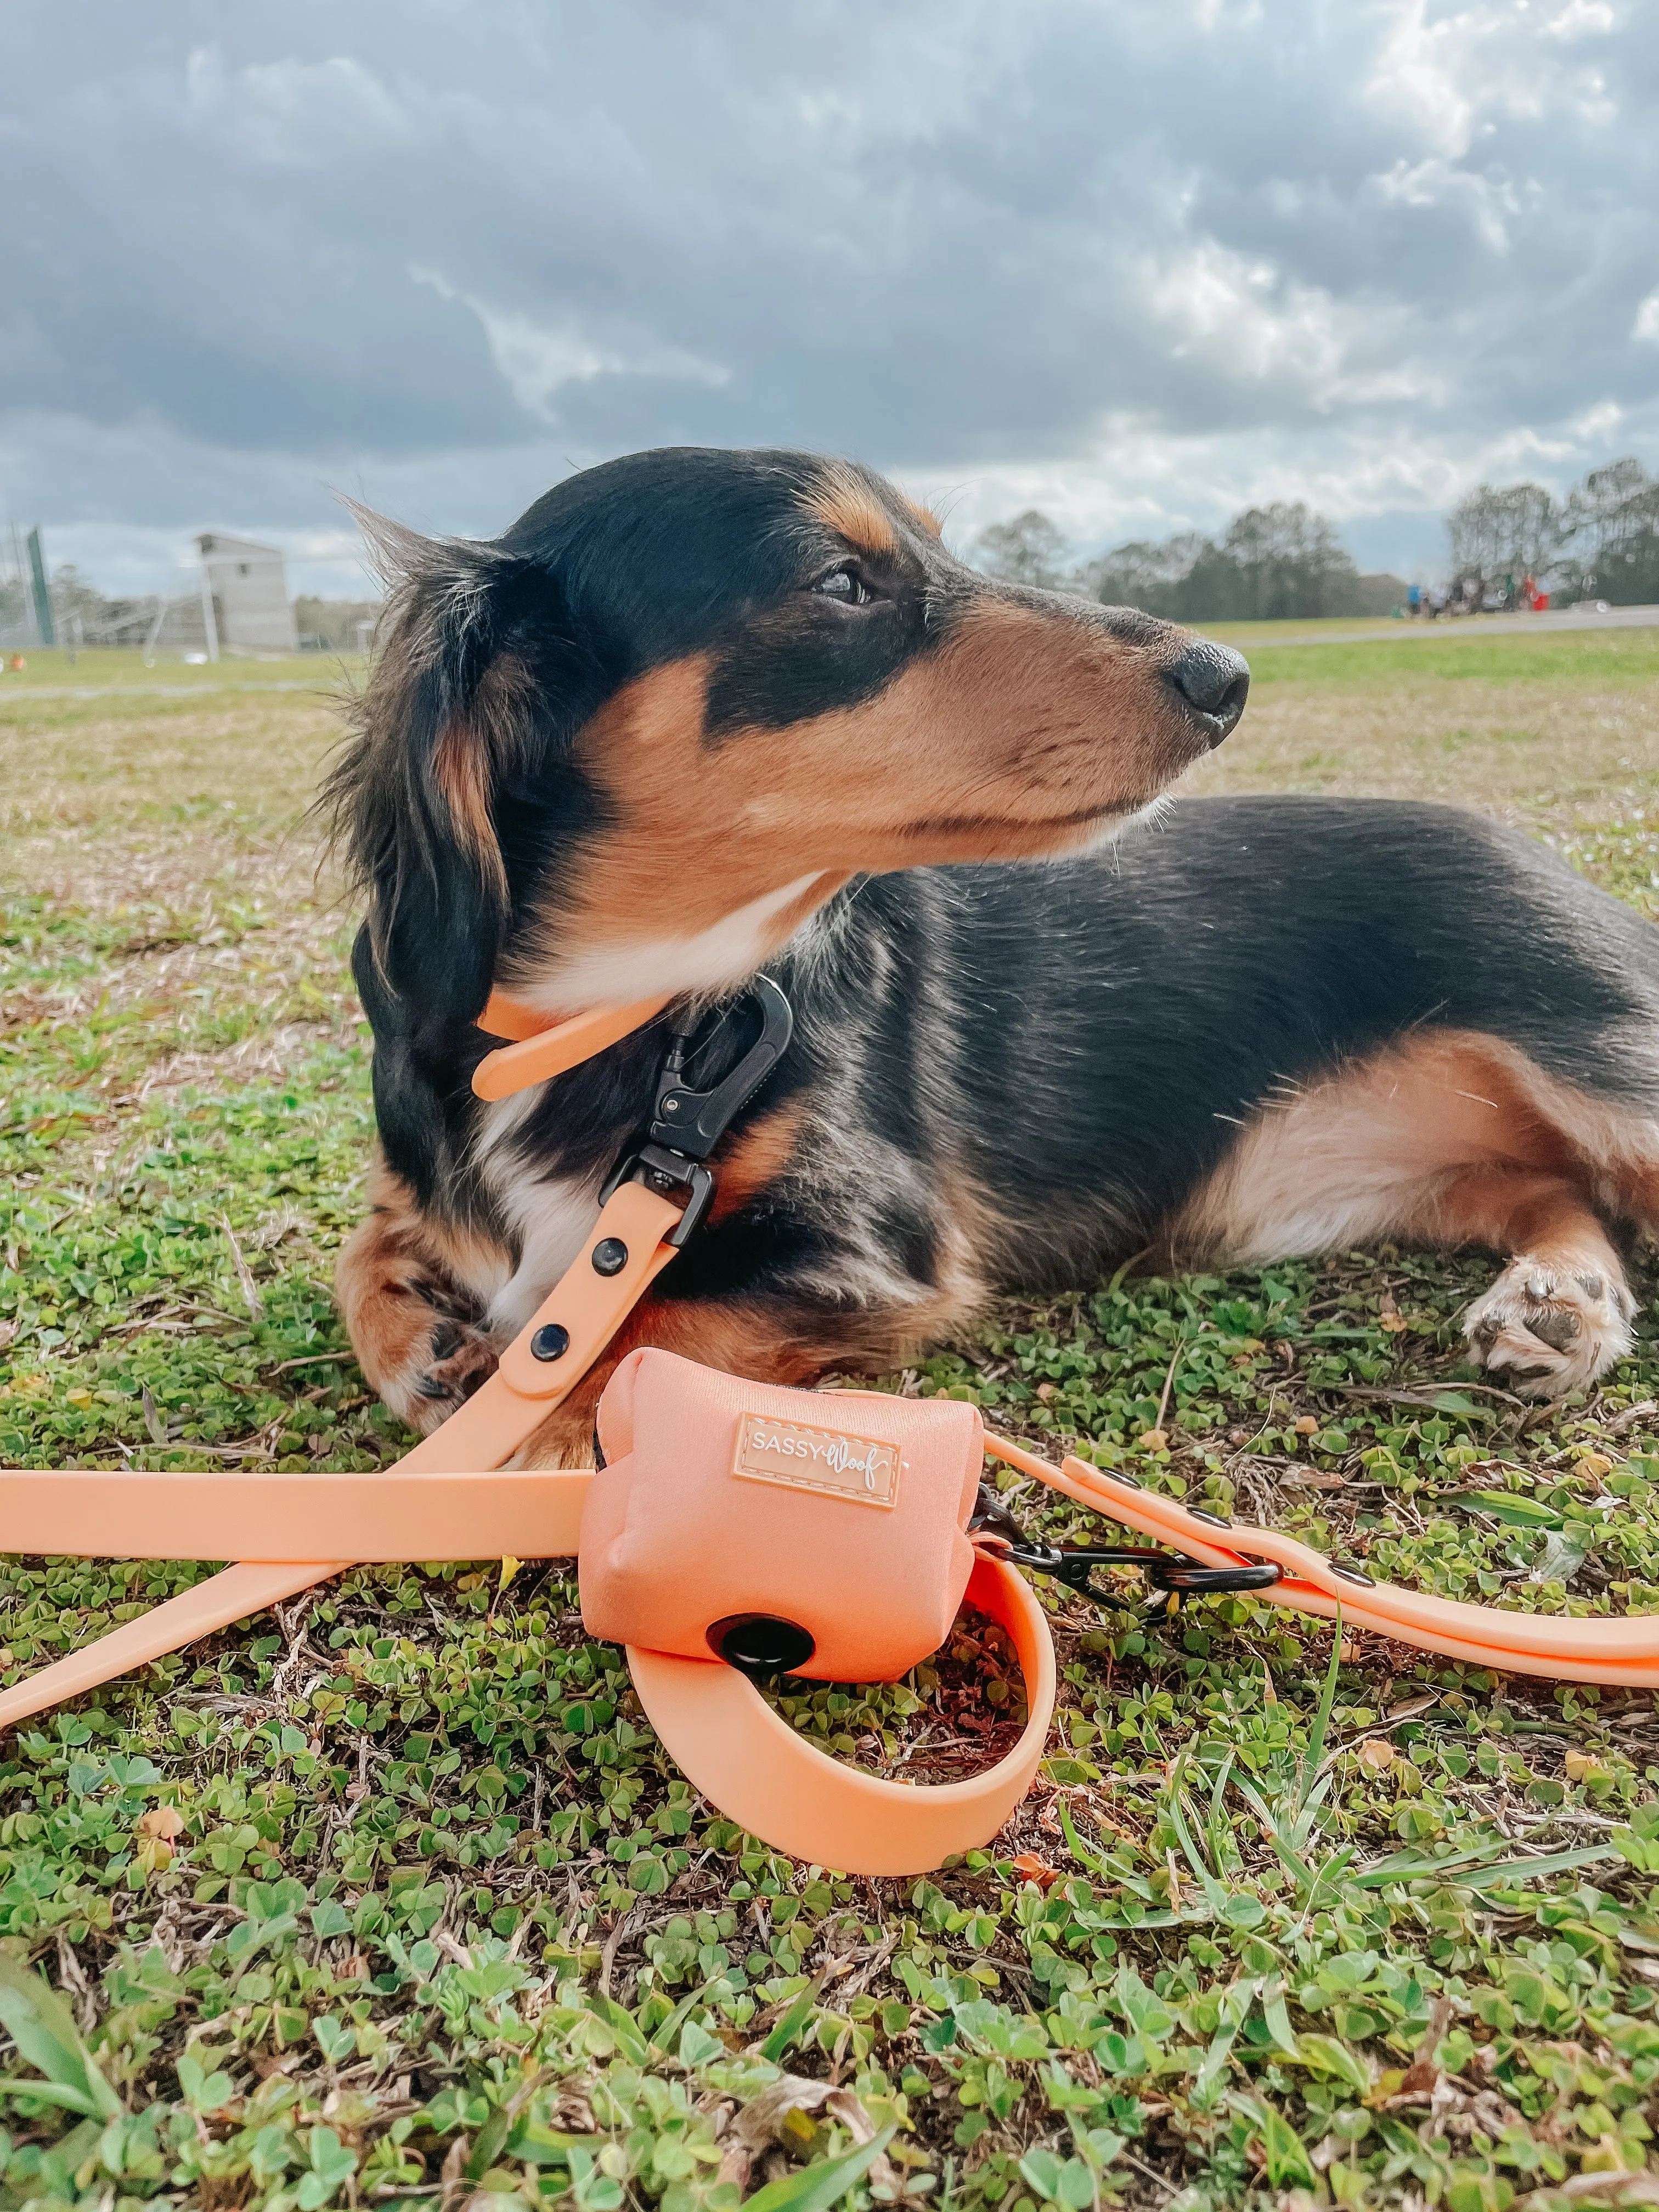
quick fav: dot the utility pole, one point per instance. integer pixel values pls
(43, 622)
(210, 620)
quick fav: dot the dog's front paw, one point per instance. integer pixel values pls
(455, 1360)
(423, 1356)
(1548, 1325)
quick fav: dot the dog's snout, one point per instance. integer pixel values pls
(1214, 680)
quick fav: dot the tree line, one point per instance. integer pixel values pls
(1600, 542)
(1284, 561)
(1271, 564)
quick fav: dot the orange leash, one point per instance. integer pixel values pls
(1560, 1649)
(446, 1500)
(456, 1496)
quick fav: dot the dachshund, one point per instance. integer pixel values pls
(700, 714)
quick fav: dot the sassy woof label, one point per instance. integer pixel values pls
(787, 1452)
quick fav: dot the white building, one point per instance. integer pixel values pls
(245, 585)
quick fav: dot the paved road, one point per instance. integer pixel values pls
(1469, 626)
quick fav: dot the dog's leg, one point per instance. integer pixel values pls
(1559, 1315)
(416, 1330)
(1452, 1140)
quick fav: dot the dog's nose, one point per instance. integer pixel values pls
(1215, 681)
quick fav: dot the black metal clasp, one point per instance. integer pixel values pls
(693, 1122)
(1171, 1575)
(686, 1125)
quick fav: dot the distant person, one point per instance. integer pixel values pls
(1414, 600)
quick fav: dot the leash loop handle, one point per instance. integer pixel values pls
(719, 1730)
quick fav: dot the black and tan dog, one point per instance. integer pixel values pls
(700, 711)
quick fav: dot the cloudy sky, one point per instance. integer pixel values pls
(1138, 261)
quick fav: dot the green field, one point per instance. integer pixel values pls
(392, 1898)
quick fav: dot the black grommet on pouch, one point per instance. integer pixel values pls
(760, 1644)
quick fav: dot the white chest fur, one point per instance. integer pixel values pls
(626, 969)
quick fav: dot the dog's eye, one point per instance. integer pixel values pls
(845, 585)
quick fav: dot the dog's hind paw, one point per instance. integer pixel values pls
(1551, 1324)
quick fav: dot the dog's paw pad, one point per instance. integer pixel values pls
(1545, 1328)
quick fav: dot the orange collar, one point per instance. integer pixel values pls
(545, 1045)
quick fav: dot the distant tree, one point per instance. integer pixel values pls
(1029, 549)
(1272, 562)
(1381, 594)
(87, 616)
(1505, 531)
(1149, 574)
(1290, 563)
(1611, 528)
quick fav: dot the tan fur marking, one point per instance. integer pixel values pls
(1387, 1146)
(461, 769)
(470, 754)
(1455, 1138)
(842, 501)
(924, 517)
(758, 1158)
(1023, 736)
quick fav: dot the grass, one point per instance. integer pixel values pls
(94, 668)
(1619, 660)
(392, 1898)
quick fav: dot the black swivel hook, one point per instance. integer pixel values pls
(686, 1125)
(1170, 1575)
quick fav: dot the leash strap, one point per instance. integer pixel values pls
(434, 1504)
(1560, 1649)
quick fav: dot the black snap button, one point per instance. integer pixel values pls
(551, 1341)
(1354, 1574)
(759, 1644)
(1214, 1519)
(610, 1256)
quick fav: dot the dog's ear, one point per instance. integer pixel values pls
(467, 703)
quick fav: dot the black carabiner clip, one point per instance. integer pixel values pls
(692, 1123)
(686, 1125)
(1171, 1575)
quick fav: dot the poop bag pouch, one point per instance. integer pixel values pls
(721, 1504)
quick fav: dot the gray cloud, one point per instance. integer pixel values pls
(1136, 259)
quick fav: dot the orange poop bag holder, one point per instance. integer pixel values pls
(733, 1529)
